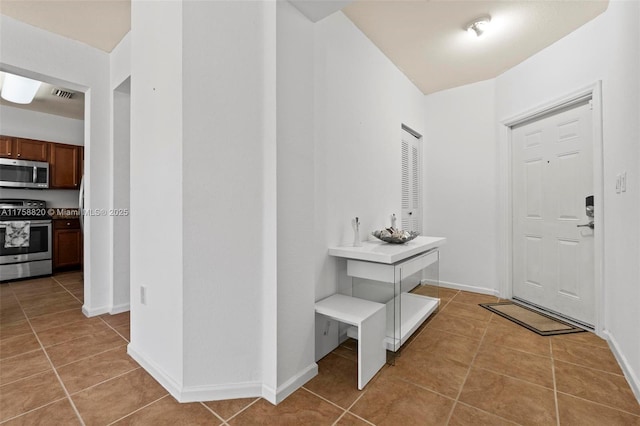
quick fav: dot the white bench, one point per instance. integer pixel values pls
(370, 318)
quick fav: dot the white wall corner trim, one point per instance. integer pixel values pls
(629, 374)
(472, 288)
(118, 309)
(92, 312)
(277, 396)
(505, 249)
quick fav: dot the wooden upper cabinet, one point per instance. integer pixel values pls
(6, 147)
(28, 149)
(64, 164)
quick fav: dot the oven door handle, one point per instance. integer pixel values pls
(4, 223)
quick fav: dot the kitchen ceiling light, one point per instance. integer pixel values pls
(479, 25)
(19, 90)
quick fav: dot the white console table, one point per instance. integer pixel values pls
(385, 273)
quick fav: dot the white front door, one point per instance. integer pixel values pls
(552, 172)
(411, 217)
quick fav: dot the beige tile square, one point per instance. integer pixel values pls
(474, 298)
(58, 413)
(509, 398)
(442, 375)
(83, 347)
(14, 329)
(464, 415)
(432, 343)
(575, 411)
(300, 408)
(229, 407)
(516, 337)
(123, 318)
(395, 402)
(599, 358)
(466, 310)
(24, 395)
(168, 411)
(90, 371)
(64, 333)
(23, 365)
(594, 385)
(520, 365)
(17, 345)
(138, 386)
(57, 319)
(459, 325)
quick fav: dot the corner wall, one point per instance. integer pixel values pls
(461, 194)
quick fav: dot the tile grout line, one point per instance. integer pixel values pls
(55, 371)
(489, 413)
(89, 356)
(248, 405)
(555, 386)
(354, 414)
(473, 360)
(138, 409)
(112, 328)
(212, 412)
(32, 410)
(67, 290)
(600, 404)
(323, 398)
(105, 381)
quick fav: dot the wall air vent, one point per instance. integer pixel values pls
(61, 93)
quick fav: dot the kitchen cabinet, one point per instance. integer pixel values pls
(29, 149)
(67, 244)
(65, 162)
(6, 147)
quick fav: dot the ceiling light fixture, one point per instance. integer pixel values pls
(478, 26)
(19, 90)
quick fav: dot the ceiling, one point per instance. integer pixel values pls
(425, 39)
(428, 42)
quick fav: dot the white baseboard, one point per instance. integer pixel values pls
(174, 388)
(629, 374)
(474, 289)
(224, 391)
(118, 309)
(290, 386)
(92, 312)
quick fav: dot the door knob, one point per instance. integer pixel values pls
(587, 225)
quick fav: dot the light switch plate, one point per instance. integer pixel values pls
(618, 183)
(623, 182)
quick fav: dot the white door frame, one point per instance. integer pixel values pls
(505, 199)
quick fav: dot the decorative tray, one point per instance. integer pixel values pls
(394, 236)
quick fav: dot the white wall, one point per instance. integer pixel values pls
(47, 127)
(120, 72)
(295, 196)
(360, 102)
(156, 190)
(224, 82)
(460, 194)
(42, 55)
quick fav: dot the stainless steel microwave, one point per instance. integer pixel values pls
(23, 174)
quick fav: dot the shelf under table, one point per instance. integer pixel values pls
(415, 309)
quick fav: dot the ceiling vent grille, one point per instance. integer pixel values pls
(61, 93)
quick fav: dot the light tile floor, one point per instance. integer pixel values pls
(465, 366)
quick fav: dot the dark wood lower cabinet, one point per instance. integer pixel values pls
(67, 244)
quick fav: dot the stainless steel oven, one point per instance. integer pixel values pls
(34, 259)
